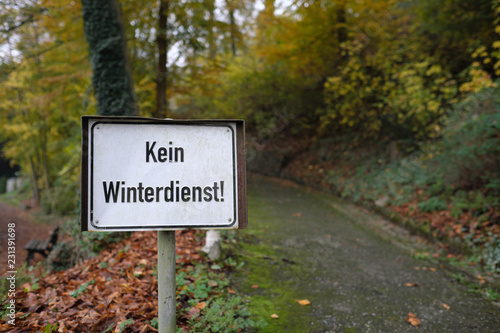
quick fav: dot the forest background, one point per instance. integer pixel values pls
(388, 103)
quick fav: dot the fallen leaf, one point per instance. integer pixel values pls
(138, 273)
(303, 302)
(231, 291)
(446, 306)
(432, 269)
(297, 214)
(201, 305)
(412, 284)
(254, 286)
(413, 320)
(274, 316)
(192, 312)
(115, 292)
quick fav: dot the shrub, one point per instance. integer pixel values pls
(432, 204)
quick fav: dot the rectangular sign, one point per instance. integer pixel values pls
(152, 174)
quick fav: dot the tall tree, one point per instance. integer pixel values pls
(44, 86)
(112, 77)
(161, 79)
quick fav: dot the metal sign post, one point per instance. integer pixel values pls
(164, 175)
(166, 281)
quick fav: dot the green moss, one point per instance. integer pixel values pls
(273, 295)
(264, 267)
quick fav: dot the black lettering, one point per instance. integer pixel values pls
(158, 190)
(208, 193)
(169, 192)
(196, 193)
(132, 190)
(149, 194)
(111, 191)
(177, 192)
(162, 154)
(222, 190)
(123, 191)
(178, 150)
(150, 152)
(186, 194)
(140, 188)
(216, 188)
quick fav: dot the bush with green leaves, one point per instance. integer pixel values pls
(469, 153)
(492, 254)
(466, 158)
(80, 245)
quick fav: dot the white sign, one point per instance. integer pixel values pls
(146, 174)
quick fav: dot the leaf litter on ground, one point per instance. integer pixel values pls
(97, 297)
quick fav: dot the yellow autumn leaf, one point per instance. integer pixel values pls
(413, 320)
(304, 302)
(446, 306)
(201, 305)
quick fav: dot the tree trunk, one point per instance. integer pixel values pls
(211, 33)
(112, 77)
(34, 180)
(232, 26)
(162, 43)
(341, 20)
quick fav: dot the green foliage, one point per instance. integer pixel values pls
(23, 276)
(451, 26)
(50, 328)
(109, 328)
(461, 166)
(124, 324)
(61, 199)
(154, 323)
(223, 314)
(457, 172)
(379, 95)
(80, 245)
(432, 204)
(492, 254)
(203, 284)
(385, 69)
(81, 289)
(492, 294)
(470, 149)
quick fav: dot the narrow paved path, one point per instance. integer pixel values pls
(26, 228)
(352, 266)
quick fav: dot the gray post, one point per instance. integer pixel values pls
(166, 282)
